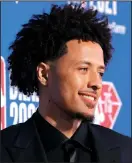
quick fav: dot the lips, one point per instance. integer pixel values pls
(89, 99)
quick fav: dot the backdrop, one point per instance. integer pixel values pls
(114, 107)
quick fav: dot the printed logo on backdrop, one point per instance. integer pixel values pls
(107, 7)
(3, 93)
(108, 106)
(21, 106)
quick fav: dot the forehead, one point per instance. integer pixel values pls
(84, 50)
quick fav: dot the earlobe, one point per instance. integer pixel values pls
(42, 73)
(45, 80)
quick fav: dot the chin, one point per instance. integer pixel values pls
(83, 116)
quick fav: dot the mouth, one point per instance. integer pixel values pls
(88, 99)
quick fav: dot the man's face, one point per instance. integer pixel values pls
(75, 82)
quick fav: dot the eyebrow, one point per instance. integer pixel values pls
(90, 64)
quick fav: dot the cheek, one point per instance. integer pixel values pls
(66, 85)
(71, 83)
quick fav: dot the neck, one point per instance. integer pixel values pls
(58, 118)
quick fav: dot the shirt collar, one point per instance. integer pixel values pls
(52, 138)
(83, 136)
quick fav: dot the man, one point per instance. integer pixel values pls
(62, 56)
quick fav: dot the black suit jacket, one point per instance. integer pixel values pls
(21, 143)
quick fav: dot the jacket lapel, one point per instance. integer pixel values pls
(107, 148)
(27, 146)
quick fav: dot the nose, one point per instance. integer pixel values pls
(95, 81)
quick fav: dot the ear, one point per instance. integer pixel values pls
(42, 73)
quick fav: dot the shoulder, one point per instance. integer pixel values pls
(112, 136)
(9, 134)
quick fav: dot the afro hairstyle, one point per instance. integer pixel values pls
(41, 39)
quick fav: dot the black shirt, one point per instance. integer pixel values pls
(53, 142)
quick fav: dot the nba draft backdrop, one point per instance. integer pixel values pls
(114, 106)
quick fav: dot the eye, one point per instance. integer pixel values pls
(83, 69)
(101, 74)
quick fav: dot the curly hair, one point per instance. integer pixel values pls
(41, 39)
